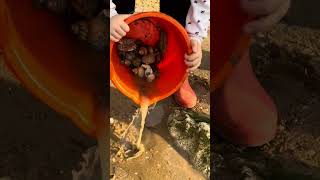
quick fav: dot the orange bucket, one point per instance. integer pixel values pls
(229, 41)
(172, 68)
(51, 64)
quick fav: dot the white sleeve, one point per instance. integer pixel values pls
(198, 19)
(112, 9)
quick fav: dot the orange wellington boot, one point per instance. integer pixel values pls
(185, 96)
(243, 111)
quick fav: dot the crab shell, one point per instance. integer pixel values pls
(149, 59)
(127, 45)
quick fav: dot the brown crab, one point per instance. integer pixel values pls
(126, 45)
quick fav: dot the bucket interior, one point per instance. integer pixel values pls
(172, 69)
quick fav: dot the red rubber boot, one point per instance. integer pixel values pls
(185, 96)
(244, 113)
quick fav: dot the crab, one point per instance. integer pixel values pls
(126, 45)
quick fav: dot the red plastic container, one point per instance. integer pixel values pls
(51, 64)
(172, 67)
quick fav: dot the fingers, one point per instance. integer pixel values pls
(194, 67)
(120, 32)
(125, 27)
(113, 39)
(193, 61)
(116, 35)
(266, 23)
(192, 57)
(118, 27)
(194, 64)
(260, 7)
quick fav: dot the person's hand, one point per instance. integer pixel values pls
(118, 28)
(193, 60)
(268, 13)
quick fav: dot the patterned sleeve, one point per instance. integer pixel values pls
(112, 9)
(198, 19)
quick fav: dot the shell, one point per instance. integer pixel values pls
(130, 55)
(126, 44)
(150, 50)
(149, 59)
(151, 77)
(143, 51)
(127, 62)
(148, 70)
(135, 71)
(141, 72)
(136, 62)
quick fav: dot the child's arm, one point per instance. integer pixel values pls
(198, 19)
(197, 24)
(118, 28)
